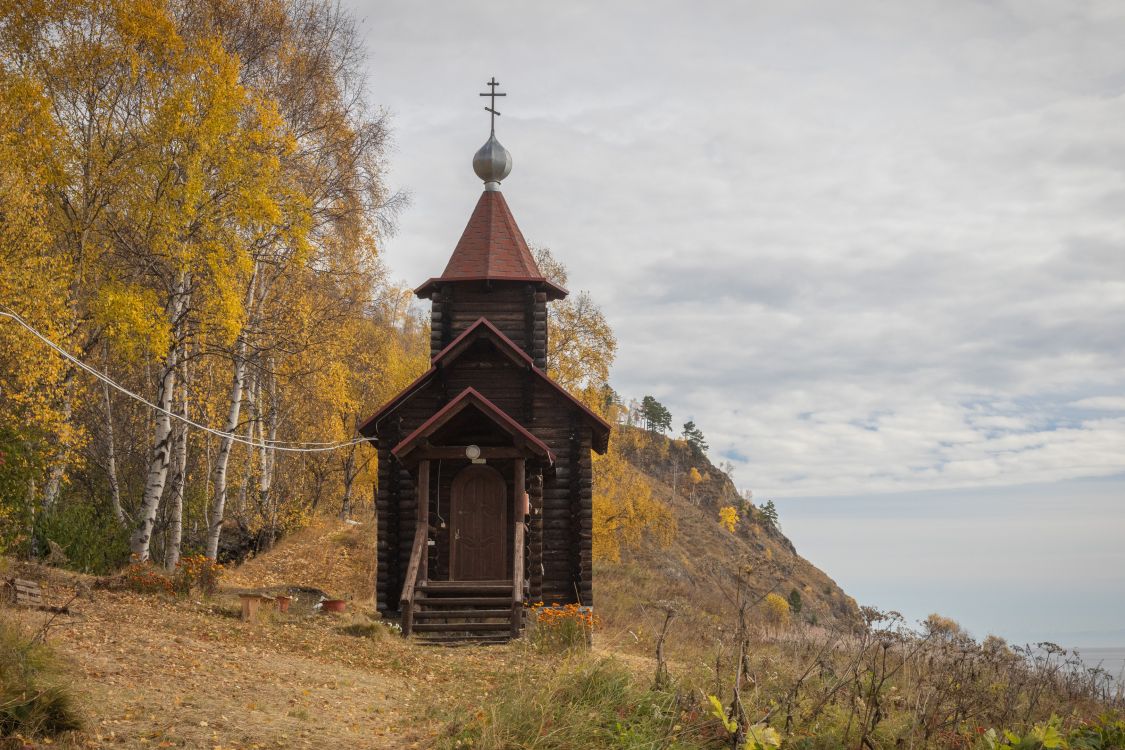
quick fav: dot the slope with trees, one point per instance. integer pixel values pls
(194, 207)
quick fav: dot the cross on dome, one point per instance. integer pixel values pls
(492, 94)
(492, 162)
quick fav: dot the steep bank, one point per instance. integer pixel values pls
(696, 571)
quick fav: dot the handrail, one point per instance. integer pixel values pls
(517, 579)
(406, 601)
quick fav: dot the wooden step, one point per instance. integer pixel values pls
(468, 639)
(457, 627)
(464, 601)
(467, 613)
(466, 587)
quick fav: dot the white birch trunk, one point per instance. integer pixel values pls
(111, 457)
(267, 455)
(161, 458)
(226, 443)
(179, 479)
(219, 502)
(349, 482)
(53, 486)
(157, 475)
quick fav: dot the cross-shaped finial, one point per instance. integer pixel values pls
(492, 107)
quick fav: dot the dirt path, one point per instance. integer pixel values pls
(164, 674)
(156, 671)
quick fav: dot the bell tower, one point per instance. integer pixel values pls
(484, 498)
(492, 273)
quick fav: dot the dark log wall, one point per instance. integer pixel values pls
(559, 538)
(559, 542)
(518, 309)
(396, 507)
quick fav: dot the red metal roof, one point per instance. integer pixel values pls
(470, 397)
(492, 248)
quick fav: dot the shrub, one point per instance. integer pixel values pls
(93, 540)
(146, 578)
(34, 697)
(777, 610)
(562, 628)
(197, 571)
(728, 518)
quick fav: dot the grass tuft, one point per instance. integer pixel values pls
(34, 697)
(587, 703)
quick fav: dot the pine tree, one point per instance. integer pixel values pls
(694, 437)
(768, 512)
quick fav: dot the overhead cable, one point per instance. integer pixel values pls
(279, 445)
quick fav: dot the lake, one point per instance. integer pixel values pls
(1109, 658)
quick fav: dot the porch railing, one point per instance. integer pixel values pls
(517, 579)
(406, 602)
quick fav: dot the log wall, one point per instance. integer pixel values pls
(559, 538)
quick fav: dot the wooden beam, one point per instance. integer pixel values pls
(455, 452)
(423, 514)
(518, 540)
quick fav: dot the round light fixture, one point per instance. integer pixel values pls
(472, 452)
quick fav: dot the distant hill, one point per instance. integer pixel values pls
(696, 569)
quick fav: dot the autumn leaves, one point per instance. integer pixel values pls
(193, 199)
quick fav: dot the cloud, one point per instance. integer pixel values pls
(867, 247)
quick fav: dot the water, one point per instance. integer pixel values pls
(1109, 658)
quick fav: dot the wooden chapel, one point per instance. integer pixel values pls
(484, 497)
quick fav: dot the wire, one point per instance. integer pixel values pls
(280, 445)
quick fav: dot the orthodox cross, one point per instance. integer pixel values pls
(492, 106)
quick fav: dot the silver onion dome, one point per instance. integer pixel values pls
(492, 163)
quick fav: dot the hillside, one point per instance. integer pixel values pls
(696, 570)
(154, 670)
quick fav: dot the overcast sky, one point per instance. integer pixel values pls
(876, 251)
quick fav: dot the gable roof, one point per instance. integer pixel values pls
(482, 328)
(492, 248)
(470, 398)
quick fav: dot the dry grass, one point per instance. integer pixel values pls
(338, 558)
(156, 671)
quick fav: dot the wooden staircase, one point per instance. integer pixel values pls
(462, 612)
(457, 612)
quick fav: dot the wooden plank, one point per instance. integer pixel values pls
(518, 556)
(406, 600)
(454, 452)
(28, 593)
(422, 518)
(459, 626)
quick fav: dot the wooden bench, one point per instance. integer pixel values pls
(23, 593)
(251, 603)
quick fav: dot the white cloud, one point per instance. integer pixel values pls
(868, 248)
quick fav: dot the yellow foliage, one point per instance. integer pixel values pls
(728, 517)
(777, 610)
(133, 319)
(625, 510)
(32, 278)
(581, 346)
(695, 476)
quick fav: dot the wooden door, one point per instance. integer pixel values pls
(478, 539)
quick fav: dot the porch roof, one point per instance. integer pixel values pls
(470, 398)
(482, 328)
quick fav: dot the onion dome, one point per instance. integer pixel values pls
(492, 163)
